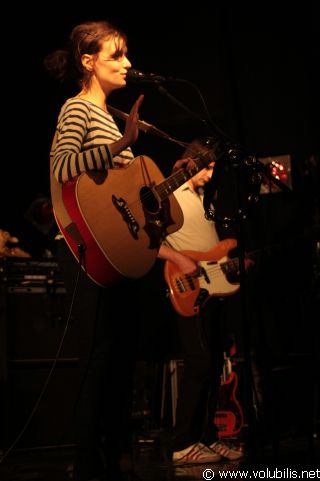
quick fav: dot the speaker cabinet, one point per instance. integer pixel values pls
(35, 326)
(32, 325)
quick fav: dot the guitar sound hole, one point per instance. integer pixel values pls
(149, 200)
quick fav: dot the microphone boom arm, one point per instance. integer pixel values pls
(146, 127)
(164, 91)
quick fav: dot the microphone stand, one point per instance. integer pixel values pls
(146, 127)
(236, 156)
(165, 92)
(257, 170)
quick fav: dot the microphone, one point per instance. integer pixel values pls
(138, 76)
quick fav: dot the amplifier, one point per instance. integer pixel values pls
(34, 276)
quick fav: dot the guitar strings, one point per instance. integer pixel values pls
(214, 274)
(160, 189)
(181, 174)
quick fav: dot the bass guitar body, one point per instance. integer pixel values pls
(188, 293)
(229, 415)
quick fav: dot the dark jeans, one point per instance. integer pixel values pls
(202, 349)
(107, 344)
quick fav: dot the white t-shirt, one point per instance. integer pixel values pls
(197, 233)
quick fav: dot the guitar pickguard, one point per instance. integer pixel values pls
(156, 223)
(201, 298)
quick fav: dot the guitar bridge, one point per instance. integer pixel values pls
(127, 216)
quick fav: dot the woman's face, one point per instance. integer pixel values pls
(110, 65)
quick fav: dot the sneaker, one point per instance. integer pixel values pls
(195, 454)
(225, 451)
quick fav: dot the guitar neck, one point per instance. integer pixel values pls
(170, 184)
(232, 265)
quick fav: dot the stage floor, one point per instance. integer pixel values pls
(152, 461)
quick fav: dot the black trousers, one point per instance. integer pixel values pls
(202, 345)
(107, 345)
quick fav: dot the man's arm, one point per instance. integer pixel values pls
(185, 263)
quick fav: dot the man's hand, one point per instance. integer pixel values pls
(186, 164)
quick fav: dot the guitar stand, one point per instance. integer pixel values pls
(172, 370)
(248, 372)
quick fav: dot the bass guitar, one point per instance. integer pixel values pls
(188, 293)
(229, 414)
(120, 217)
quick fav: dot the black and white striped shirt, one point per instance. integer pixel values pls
(83, 134)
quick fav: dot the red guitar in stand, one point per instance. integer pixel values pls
(229, 415)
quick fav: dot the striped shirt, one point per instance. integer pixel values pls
(83, 134)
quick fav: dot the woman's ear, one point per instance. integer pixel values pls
(87, 62)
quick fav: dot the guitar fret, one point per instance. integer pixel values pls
(234, 264)
(167, 189)
(177, 179)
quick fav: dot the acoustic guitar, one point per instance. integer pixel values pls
(120, 217)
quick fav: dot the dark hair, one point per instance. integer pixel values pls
(201, 146)
(86, 38)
